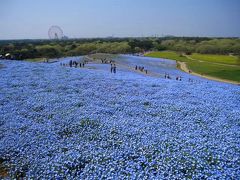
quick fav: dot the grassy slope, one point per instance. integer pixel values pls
(232, 60)
(216, 70)
(207, 66)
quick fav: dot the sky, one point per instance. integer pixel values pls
(31, 19)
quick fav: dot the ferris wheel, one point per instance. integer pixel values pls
(55, 32)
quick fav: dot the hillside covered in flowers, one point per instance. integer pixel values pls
(88, 123)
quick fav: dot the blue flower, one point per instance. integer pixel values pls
(61, 122)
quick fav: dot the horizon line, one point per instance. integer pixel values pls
(123, 37)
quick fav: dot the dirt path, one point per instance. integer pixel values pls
(2, 66)
(183, 67)
(132, 69)
(149, 73)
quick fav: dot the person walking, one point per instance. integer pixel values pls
(114, 69)
(111, 68)
(70, 63)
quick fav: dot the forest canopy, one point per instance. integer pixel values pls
(24, 49)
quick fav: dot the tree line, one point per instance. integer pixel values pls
(24, 49)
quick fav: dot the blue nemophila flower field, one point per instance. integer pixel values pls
(61, 122)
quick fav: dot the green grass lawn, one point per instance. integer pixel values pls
(224, 59)
(208, 66)
(216, 70)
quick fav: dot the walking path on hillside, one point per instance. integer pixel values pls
(1, 66)
(140, 72)
(132, 69)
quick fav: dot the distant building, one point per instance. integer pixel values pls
(65, 37)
